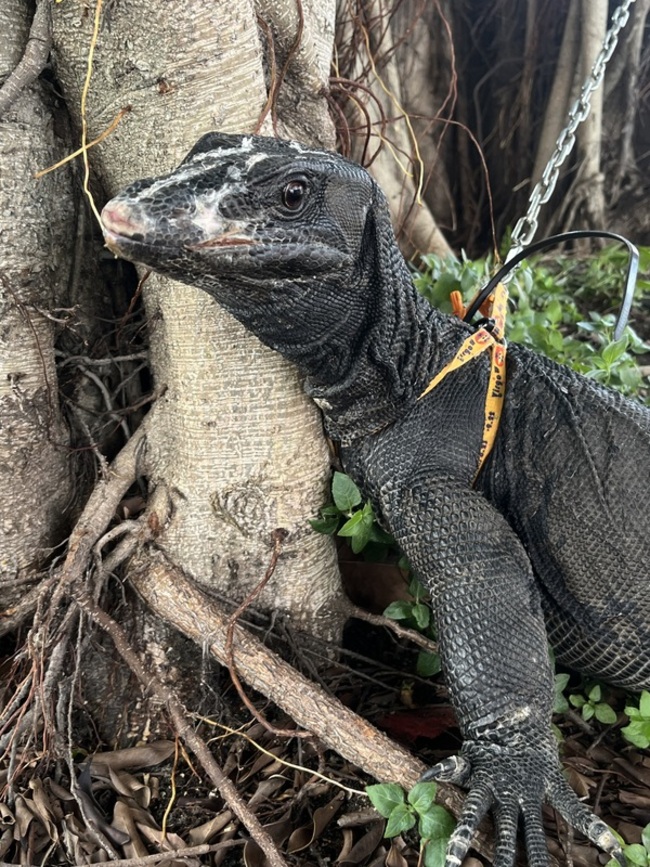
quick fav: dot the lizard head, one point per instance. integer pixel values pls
(244, 207)
(282, 236)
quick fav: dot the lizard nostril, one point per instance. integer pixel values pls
(118, 218)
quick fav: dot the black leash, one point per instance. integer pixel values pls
(630, 277)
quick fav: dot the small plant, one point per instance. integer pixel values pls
(638, 731)
(590, 705)
(350, 517)
(404, 812)
(416, 614)
(560, 705)
(555, 310)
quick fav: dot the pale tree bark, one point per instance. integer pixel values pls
(236, 449)
(589, 194)
(562, 93)
(36, 218)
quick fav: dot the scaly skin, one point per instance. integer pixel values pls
(550, 543)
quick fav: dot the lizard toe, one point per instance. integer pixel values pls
(476, 805)
(506, 821)
(562, 797)
(534, 835)
(455, 769)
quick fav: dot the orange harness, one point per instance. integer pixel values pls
(495, 308)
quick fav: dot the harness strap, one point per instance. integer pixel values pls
(489, 337)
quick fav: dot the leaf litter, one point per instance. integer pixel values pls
(147, 799)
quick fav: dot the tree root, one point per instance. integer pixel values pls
(179, 602)
(184, 728)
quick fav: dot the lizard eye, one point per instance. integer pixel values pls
(293, 195)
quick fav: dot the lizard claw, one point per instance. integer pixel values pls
(513, 784)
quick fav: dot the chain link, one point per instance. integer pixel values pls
(525, 230)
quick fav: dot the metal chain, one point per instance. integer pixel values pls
(525, 230)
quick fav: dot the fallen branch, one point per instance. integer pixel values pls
(176, 600)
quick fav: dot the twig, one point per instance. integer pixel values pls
(279, 536)
(183, 726)
(159, 857)
(99, 511)
(402, 631)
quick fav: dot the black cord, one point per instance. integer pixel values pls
(630, 277)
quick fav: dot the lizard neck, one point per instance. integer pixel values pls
(403, 344)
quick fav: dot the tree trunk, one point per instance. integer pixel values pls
(589, 134)
(235, 449)
(562, 92)
(36, 221)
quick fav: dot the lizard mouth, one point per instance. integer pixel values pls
(228, 239)
(124, 236)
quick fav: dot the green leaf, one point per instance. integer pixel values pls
(633, 712)
(422, 615)
(345, 493)
(329, 510)
(422, 796)
(577, 700)
(351, 525)
(555, 340)
(554, 311)
(435, 853)
(385, 797)
(399, 610)
(637, 854)
(327, 526)
(605, 714)
(561, 705)
(614, 350)
(587, 711)
(401, 819)
(645, 837)
(428, 663)
(358, 528)
(595, 693)
(436, 824)
(638, 734)
(644, 704)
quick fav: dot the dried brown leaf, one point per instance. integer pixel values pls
(24, 817)
(395, 857)
(635, 797)
(7, 817)
(206, 832)
(123, 820)
(364, 847)
(43, 809)
(130, 787)
(304, 836)
(168, 843)
(638, 773)
(265, 790)
(144, 756)
(6, 841)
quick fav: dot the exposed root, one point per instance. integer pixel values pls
(184, 728)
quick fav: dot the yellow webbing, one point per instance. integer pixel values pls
(473, 346)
